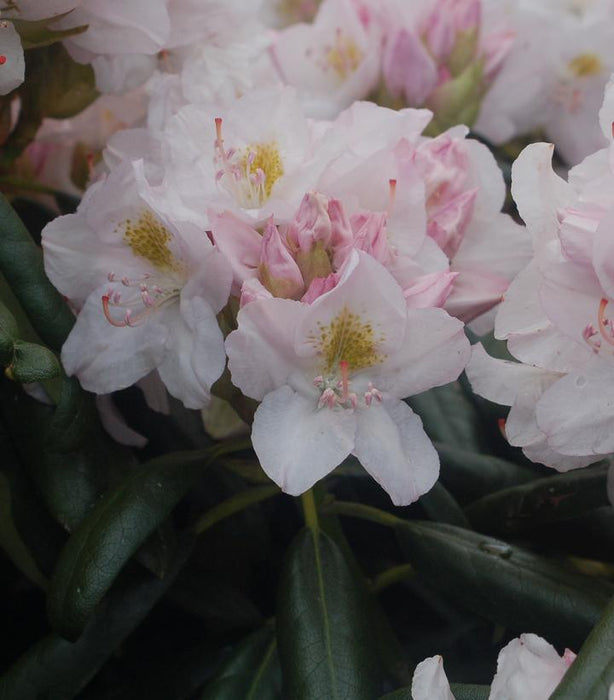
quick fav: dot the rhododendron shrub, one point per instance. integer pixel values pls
(248, 448)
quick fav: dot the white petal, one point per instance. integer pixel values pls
(13, 69)
(261, 353)
(577, 413)
(106, 358)
(430, 682)
(297, 443)
(434, 352)
(393, 447)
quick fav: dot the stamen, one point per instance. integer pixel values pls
(107, 313)
(392, 184)
(345, 382)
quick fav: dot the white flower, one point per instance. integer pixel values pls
(331, 374)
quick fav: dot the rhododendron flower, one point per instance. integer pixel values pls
(12, 62)
(554, 77)
(331, 62)
(147, 291)
(330, 376)
(528, 668)
(557, 314)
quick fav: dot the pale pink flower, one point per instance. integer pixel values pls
(330, 376)
(12, 62)
(147, 291)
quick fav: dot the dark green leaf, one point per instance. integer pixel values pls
(55, 669)
(326, 646)
(251, 673)
(440, 505)
(471, 475)
(114, 530)
(449, 417)
(11, 541)
(22, 265)
(591, 676)
(33, 363)
(559, 497)
(9, 332)
(506, 584)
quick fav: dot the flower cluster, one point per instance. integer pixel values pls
(556, 316)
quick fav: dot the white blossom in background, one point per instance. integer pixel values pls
(528, 668)
(147, 291)
(554, 77)
(556, 316)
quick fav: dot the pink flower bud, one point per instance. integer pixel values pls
(408, 69)
(319, 286)
(370, 234)
(446, 226)
(444, 164)
(495, 48)
(279, 273)
(252, 290)
(430, 290)
(311, 224)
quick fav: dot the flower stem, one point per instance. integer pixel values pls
(359, 510)
(233, 505)
(310, 511)
(391, 576)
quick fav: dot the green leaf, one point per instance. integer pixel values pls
(11, 541)
(33, 363)
(113, 531)
(234, 504)
(251, 673)
(9, 333)
(558, 497)
(470, 475)
(449, 417)
(591, 675)
(461, 691)
(22, 265)
(325, 642)
(440, 505)
(506, 584)
(56, 669)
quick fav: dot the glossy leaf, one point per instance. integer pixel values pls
(558, 497)
(41, 33)
(591, 676)
(440, 505)
(325, 643)
(22, 265)
(461, 691)
(504, 583)
(33, 363)
(9, 332)
(251, 673)
(56, 669)
(113, 531)
(470, 475)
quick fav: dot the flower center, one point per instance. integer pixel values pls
(344, 56)
(136, 299)
(247, 175)
(149, 239)
(350, 340)
(585, 64)
(336, 391)
(604, 331)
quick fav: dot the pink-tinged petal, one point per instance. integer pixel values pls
(550, 349)
(252, 290)
(474, 293)
(434, 351)
(430, 682)
(239, 243)
(106, 358)
(577, 233)
(154, 393)
(521, 427)
(261, 353)
(12, 63)
(528, 667)
(409, 71)
(278, 270)
(497, 380)
(603, 253)
(296, 442)
(520, 311)
(430, 290)
(577, 413)
(392, 446)
(448, 223)
(539, 193)
(319, 286)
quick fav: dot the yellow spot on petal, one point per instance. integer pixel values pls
(150, 239)
(345, 56)
(585, 64)
(347, 338)
(263, 157)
